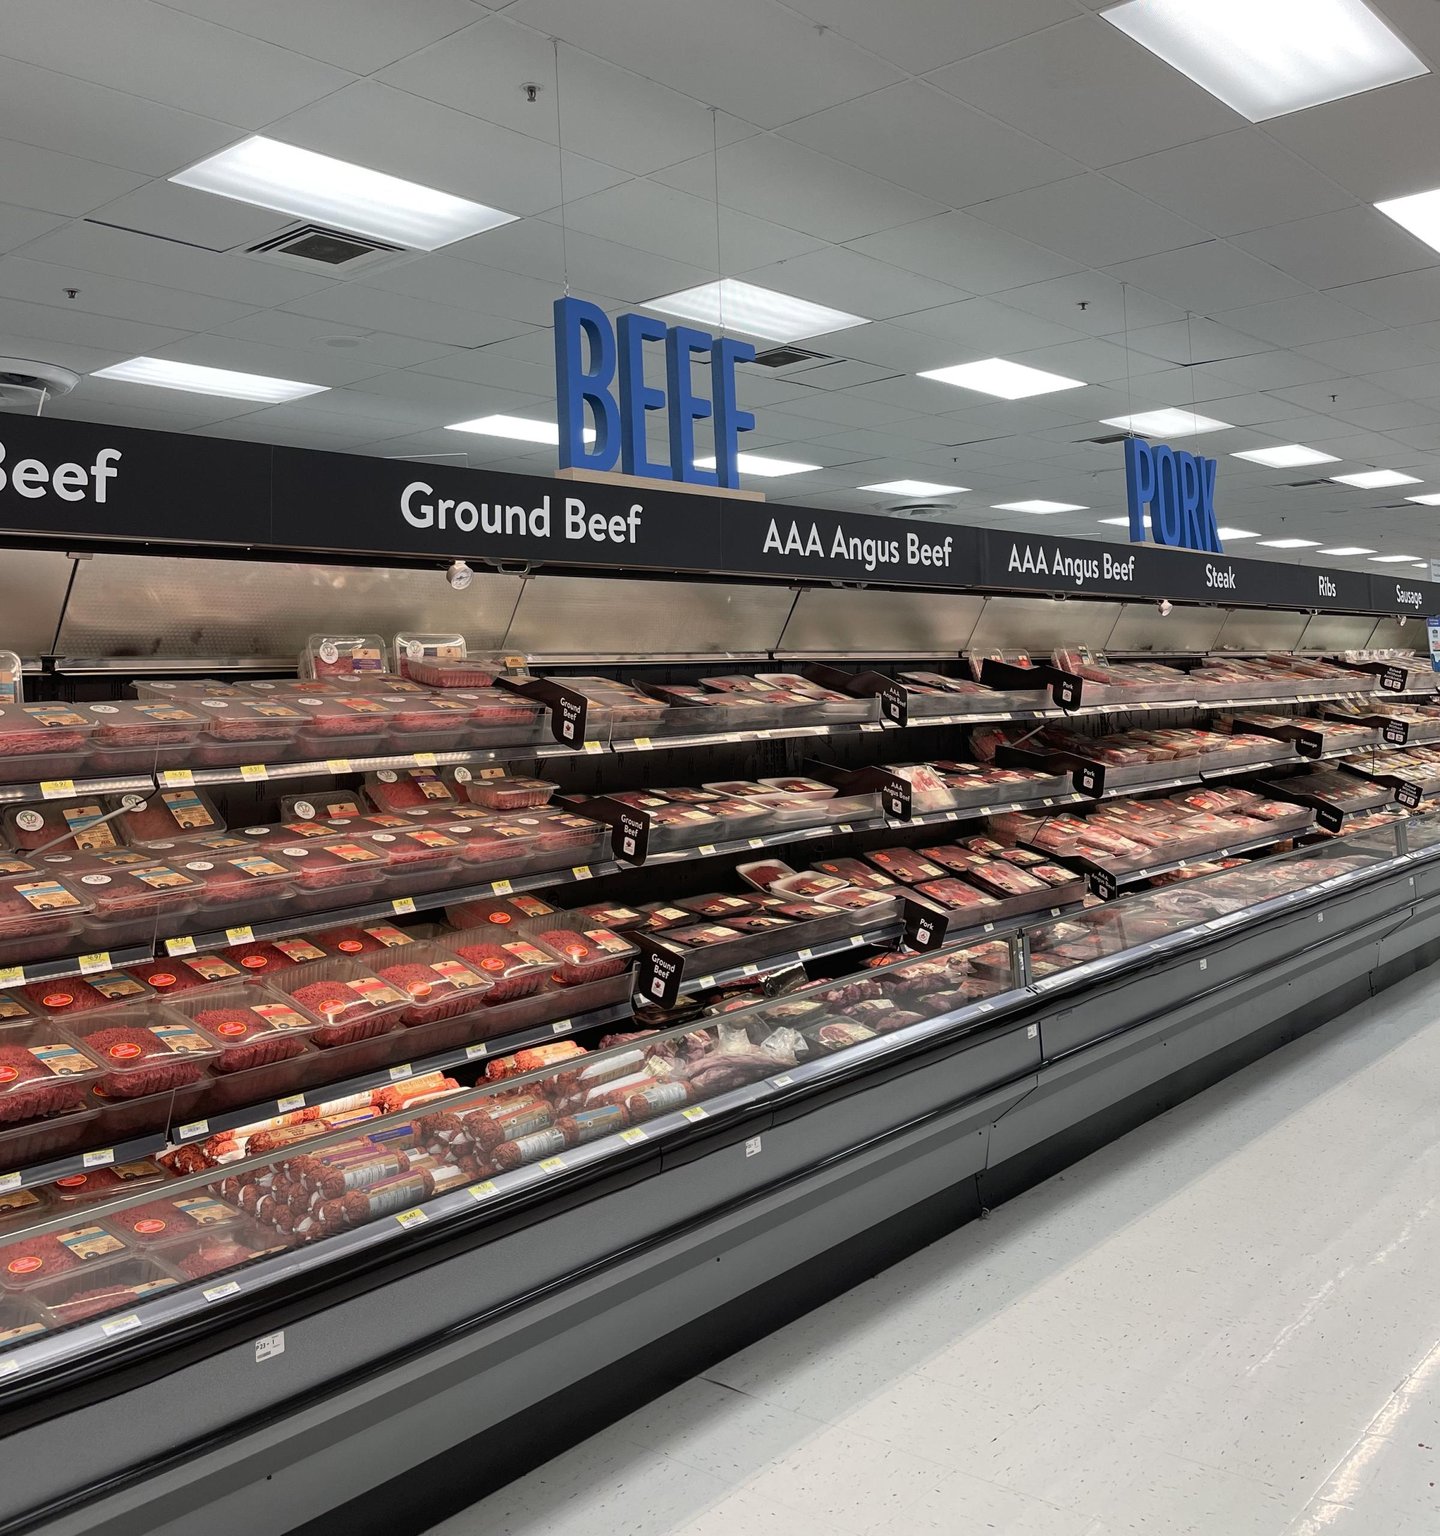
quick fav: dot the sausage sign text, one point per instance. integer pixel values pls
(1179, 489)
(588, 356)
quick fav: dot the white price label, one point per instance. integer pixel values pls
(757, 842)
(291, 1101)
(220, 1292)
(475, 1052)
(399, 1074)
(783, 1081)
(402, 904)
(805, 954)
(501, 887)
(753, 1147)
(11, 975)
(194, 1129)
(181, 946)
(271, 1345)
(243, 934)
(562, 1026)
(9, 1367)
(338, 764)
(116, 1325)
(101, 1159)
(631, 1136)
(707, 849)
(92, 965)
(412, 1218)
(426, 760)
(9, 1181)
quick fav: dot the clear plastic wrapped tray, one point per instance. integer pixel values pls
(39, 916)
(516, 968)
(583, 955)
(395, 790)
(173, 976)
(339, 873)
(345, 657)
(132, 903)
(144, 1050)
(165, 1219)
(74, 826)
(136, 737)
(438, 983)
(30, 1262)
(410, 650)
(255, 884)
(509, 794)
(428, 724)
(69, 995)
(349, 1001)
(57, 735)
(96, 1289)
(171, 816)
(42, 1071)
(252, 1027)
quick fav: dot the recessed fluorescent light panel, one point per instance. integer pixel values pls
(1269, 57)
(1122, 522)
(520, 429)
(1039, 506)
(162, 373)
(1166, 423)
(312, 186)
(1419, 213)
(1005, 380)
(1391, 559)
(1236, 533)
(1431, 500)
(735, 306)
(1290, 543)
(758, 464)
(915, 488)
(1287, 456)
(1348, 549)
(1376, 479)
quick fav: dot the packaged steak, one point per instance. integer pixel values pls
(717, 904)
(663, 917)
(702, 936)
(507, 794)
(799, 784)
(905, 864)
(592, 955)
(252, 1028)
(857, 872)
(42, 1071)
(953, 858)
(809, 882)
(438, 984)
(143, 1050)
(852, 899)
(78, 826)
(1001, 879)
(169, 816)
(959, 896)
(350, 1001)
(606, 915)
(345, 656)
(837, 1034)
(764, 873)
(515, 968)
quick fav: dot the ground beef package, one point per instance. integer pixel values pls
(401, 789)
(349, 1000)
(592, 955)
(516, 968)
(252, 1027)
(144, 1050)
(42, 1072)
(171, 815)
(440, 985)
(34, 730)
(162, 1221)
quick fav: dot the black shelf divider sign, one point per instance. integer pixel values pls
(1089, 779)
(629, 827)
(894, 791)
(1102, 883)
(925, 926)
(1395, 733)
(1066, 689)
(569, 710)
(1329, 818)
(660, 973)
(1408, 794)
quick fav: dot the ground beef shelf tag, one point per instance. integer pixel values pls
(660, 974)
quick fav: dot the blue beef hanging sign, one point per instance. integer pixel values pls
(603, 368)
(1179, 490)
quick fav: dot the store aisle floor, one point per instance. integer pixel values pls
(1227, 1323)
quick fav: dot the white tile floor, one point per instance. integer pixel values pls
(1227, 1322)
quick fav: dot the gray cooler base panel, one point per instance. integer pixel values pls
(403, 1375)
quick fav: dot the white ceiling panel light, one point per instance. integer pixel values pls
(163, 373)
(733, 305)
(1375, 479)
(520, 429)
(1236, 533)
(270, 174)
(1290, 543)
(1431, 500)
(1039, 506)
(1286, 456)
(1167, 422)
(1392, 559)
(759, 464)
(1003, 379)
(915, 488)
(1265, 58)
(1122, 522)
(1348, 549)
(1419, 213)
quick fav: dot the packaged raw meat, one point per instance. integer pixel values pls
(905, 864)
(515, 968)
(252, 883)
(858, 873)
(764, 873)
(345, 656)
(131, 904)
(797, 784)
(127, 725)
(321, 806)
(501, 912)
(392, 789)
(351, 1002)
(335, 873)
(171, 815)
(508, 794)
(809, 882)
(252, 1027)
(41, 730)
(439, 984)
(93, 1290)
(175, 975)
(203, 1254)
(236, 718)
(350, 723)
(260, 958)
(74, 826)
(38, 916)
(12, 687)
(478, 671)
(592, 955)
(375, 938)
(144, 1050)
(427, 723)
(409, 649)
(1001, 879)
(32, 1261)
(162, 1221)
(42, 1071)
(959, 896)
(703, 936)
(101, 1183)
(535, 1058)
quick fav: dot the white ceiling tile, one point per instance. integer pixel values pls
(1390, 418)
(987, 328)
(842, 409)
(156, 414)
(358, 35)
(196, 218)
(1308, 317)
(1093, 303)
(376, 309)
(1092, 359)
(618, 116)
(676, 225)
(833, 376)
(469, 285)
(1276, 369)
(43, 282)
(312, 427)
(315, 365)
(20, 226)
(1409, 298)
(393, 131)
(893, 346)
(1351, 246)
(967, 252)
(1088, 89)
(156, 52)
(925, 139)
(46, 322)
(66, 354)
(1208, 277)
(750, 57)
(1191, 340)
(123, 253)
(1233, 182)
(1410, 383)
(846, 280)
(777, 179)
(1091, 220)
(539, 249)
(460, 397)
(76, 117)
(385, 397)
(1316, 397)
(48, 182)
(923, 34)
(1377, 145)
(1374, 352)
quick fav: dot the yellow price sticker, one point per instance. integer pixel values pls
(177, 778)
(338, 764)
(291, 1101)
(643, 743)
(552, 1164)
(411, 1218)
(581, 872)
(501, 887)
(426, 760)
(695, 1112)
(252, 772)
(707, 849)
(756, 842)
(56, 789)
(91, 965)
(11, 975)
(484, 1191)
(633, 1135)
(181, 946)
(593, 746)
(244, 934)
(402, 904)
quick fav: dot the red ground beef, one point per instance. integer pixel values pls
(403, 790)
(440, 989)
(148, 1062)
(362, 941)
(160, 1221)
(352, 1010)
(259, 959)
(212, 1255)
(33, 1259)
(33, 1085)
(586, 956)
(515, 970)
(510, 794)
(172, 976)
(252, 1038)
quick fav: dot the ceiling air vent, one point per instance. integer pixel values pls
(313, 246)
(1304, 485)
(786, 357)
(1106, 442)
(921, 508)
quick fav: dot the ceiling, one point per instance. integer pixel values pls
(977, 179)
